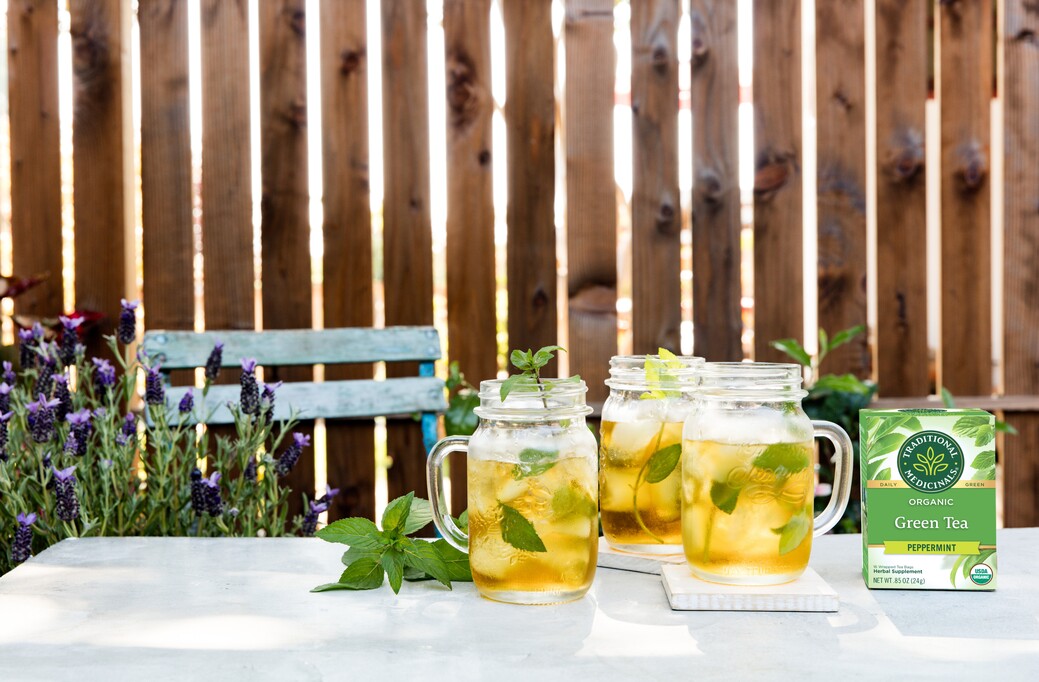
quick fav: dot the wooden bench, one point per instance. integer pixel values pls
(422, 394)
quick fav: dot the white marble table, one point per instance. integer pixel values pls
(184, 609)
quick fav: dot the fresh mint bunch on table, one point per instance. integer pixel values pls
(376, 555)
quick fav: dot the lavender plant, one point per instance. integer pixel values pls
(76, 461)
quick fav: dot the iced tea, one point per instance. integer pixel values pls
(747, 512)
(554, 500)
(637, 513)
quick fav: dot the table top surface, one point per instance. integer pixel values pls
(229, 609)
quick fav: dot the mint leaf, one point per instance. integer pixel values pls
(522, 360)
(460, 418)
(724, 496)
(457, 562)
(513, 382)
(783, 457)
(793, 533)
(421, 514)
(883, 475)
(544, 355)
(947, 398)
(354, 553)
(414, 575)
(364, 574)
(888, 443)
(534, 462)
(463, 521)
(393, 562)
(396, 514)
(356, 532)
(662, 462)
(978, 427)
(844, 336)
(518, 531)
(423, 556)
(988, 474)
(573, 500)
(984, 460)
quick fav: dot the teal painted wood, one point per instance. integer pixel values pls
(327, 400)
(183, 350)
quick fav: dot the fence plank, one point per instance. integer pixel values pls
(656, 220)
(591, 206)
(902, 368)
(471, 313)
(407, 232)
(102, 141)
(285, 230)
(347, 293)
(530, 127)
(166, 166)
(840, 59)
(32, 62)
(965, 92)
(1021, 278)
(778, 219)
(717, 311)
(227, 203)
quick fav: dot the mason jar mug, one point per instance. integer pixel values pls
(748, 475)
(640, 480)
(532, 489)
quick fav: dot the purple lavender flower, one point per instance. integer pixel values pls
(198, 493)
(69, 339)
(9, 376)
(214, 361)
(211, 486)
(5, 396)
(288, 459)
(79, 432)
(310, 520)
(62, 395)
(45, 380)
(67, 506)
(128, 432)
(4, 418)
(154, 391)
(330, 493)
(41, 419)
(104, 376)
(187, 403)
(267, 400)
(127, 331)
(250, 470)
(21, 548)
(26, 348)
(250, 398)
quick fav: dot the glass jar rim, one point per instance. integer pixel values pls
(756, 380)
(555, 398)
(628, 373)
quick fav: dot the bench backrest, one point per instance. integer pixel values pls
(307, 399)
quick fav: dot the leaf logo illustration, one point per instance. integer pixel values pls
(930, 463)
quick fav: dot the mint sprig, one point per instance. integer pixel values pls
(534, 462)
(530, 364)
(658, 372)
(376, 555)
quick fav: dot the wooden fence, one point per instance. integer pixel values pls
(873, 79)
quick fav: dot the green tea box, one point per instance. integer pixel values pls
(928, 499)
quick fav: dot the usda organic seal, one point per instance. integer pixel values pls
(930, 461)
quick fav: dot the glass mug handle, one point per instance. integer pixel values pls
(842, 468)
(435, 482)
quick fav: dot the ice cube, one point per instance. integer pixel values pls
(630, 442)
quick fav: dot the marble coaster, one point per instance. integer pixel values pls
(688, 593)
(629, 561)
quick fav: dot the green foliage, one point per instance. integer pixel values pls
(136, 484)
(388, 554)
(460, 418)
